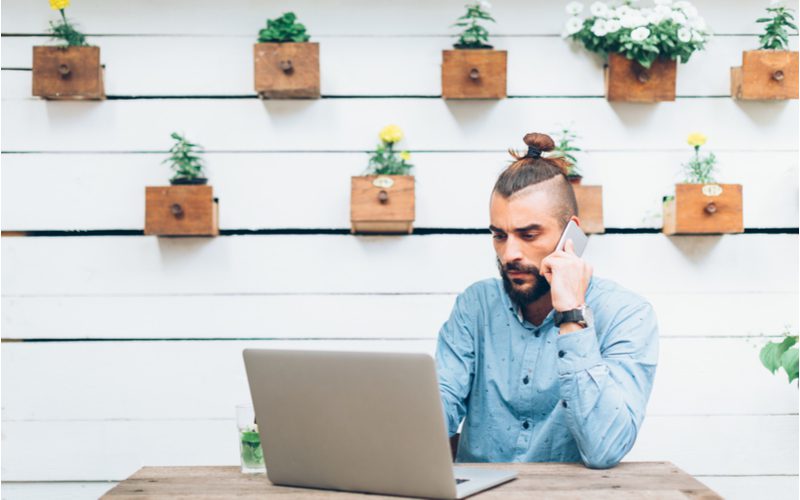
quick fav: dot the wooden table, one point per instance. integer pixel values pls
(628, 480)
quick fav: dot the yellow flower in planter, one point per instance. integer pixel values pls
(59, 4)
(391, 134)
(696, 139)
(405, 156)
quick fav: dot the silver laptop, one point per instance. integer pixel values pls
(357, 421)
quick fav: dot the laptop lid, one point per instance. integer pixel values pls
(370, 422)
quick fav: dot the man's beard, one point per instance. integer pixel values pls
(525, 296)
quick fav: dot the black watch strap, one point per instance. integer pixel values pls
(571, 316)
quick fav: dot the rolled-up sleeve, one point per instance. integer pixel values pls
(455, 361)
(605, 388)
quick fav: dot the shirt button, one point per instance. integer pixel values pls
(564, 404)
(561, 354)
(536, 333)
(526, 380)
(525, 424)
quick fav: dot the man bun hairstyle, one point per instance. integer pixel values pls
(531, 167)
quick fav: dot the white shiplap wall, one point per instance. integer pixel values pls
(163, 321)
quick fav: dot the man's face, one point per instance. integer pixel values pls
(524, 231)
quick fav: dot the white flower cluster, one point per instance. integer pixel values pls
(608, 19)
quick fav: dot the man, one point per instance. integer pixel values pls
(549, 364)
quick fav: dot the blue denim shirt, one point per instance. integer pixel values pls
(532, 395)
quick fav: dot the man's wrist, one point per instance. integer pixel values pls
(569, 328)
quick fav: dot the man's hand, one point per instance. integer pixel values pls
(568, 276)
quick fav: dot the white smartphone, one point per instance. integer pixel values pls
(574, 233)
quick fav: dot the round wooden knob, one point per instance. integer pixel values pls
(286, 66)
(474, 74)
(643, 76)
(177, 210)
(711, 208)
(383, 196)
(777, 76)
(64, 70)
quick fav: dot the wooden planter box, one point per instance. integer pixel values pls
(590, 208)
(67, 73)
(286, 70)
(629, 81)
(704, 209)
(382, 204)
(474, 74)
(181, 211)
(765, 75)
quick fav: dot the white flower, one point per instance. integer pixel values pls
(599, 28)
(573, 25)
(612, 26)
(697, 36)
(622, 10)
(599, 9)
(698, 23)
(688, 9)
(633, 20)
(679, 18)
(663, 11)
(574, 8)
(485, 5)
(640, 34)
(684, 34)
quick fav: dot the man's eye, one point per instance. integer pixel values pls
(499, 236)
(528, 236)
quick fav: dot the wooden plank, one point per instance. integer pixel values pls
(417, 17)
(352, 124)
(141, 265)
(113, 450)
(747, 487)
(542, 480)
(274, 316)
(185, 380)
(253, 194)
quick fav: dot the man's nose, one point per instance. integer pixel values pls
(512, 250)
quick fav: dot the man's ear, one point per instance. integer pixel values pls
(576, 219)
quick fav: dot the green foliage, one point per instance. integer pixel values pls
(184, 159)
(565, 148)
(283, 29)
(776, 36)
(474, 35)
(700, 169)
(783, 354)
(65, 31)
(386, 161)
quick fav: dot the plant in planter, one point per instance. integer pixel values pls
(701, 205)
(769, 72)
(589, 198)
(71, 70)
(474, 70)
(286, 63)
(784, 354)
(188, 206)
(641, 46)
(382, 199)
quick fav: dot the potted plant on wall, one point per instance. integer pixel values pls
(784, 354)
(589, 198)
(700, 204)
(641, 46)
(286, 64)
(68, 71)
(188, 206)
(382, 200)
(474, 70)
(770, 72)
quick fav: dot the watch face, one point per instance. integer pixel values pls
(588, 317)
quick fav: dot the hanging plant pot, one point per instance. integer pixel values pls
(590, 208)
(287, 70)
(189, 182)
(382, 204)
(765, 75)
(181, 210)
(574, 179)
(628, 81)
(67, 73)
(704, 209)
(474, 74)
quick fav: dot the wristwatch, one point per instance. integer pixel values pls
(582, 316)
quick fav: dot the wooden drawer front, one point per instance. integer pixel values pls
(765, 75)
(694, 211)
(67, 73)
(590, 208)
(287, 70)
(627, 80)
(474, 74)
(395, 214)
(181, 211)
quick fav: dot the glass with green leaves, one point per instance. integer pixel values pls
(63, 29)
(474, 36)
(185, 160)
(284, 29)
(784, 354)
(776, 27)
(386, 160)
(566, 148)
(700, 169)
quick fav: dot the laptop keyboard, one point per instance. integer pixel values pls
(459, 481)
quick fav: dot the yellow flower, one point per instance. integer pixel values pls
(696, 139)
(59, 4)
(391, 134)
(405, 156)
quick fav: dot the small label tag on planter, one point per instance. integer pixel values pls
(383, 182)
(712, 190)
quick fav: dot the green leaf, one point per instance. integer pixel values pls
(789, 362)
(770, 356)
